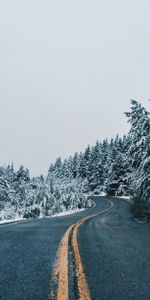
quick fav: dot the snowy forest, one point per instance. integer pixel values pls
(116, 167)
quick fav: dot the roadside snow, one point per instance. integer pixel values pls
(127, 198)
(103, 194)
(11, 221)
(123, 197)
(63, 213)
(67, 212)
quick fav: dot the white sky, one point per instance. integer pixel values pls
(67, 72)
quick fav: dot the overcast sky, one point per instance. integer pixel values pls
(67, 72)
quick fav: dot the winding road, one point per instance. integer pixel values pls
(97, 254)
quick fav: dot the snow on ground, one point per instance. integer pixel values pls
(123, 197)
(63, 213)
(11, 221)
(127, 198)
(103, 194)
(67, 212)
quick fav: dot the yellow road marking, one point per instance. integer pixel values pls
(83, 289)
(60, 270)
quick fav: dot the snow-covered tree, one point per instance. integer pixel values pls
(120, 166)
(139, 156)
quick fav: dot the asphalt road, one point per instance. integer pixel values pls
(115, 253)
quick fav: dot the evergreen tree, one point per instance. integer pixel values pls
(139, 156)
(95, 168)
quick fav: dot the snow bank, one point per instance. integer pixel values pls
(67, 212)
(11, 221)
(101, 194)
(61, 214)
(127, 198)
(123, 197)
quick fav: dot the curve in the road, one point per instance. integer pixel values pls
(59, 286)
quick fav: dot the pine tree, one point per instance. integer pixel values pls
(139, 155)
(95, 168)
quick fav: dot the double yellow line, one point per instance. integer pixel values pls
(59, 288)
